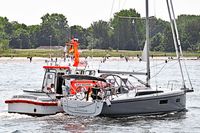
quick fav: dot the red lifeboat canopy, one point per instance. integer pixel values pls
(56, 67)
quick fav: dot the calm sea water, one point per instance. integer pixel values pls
(16, 75)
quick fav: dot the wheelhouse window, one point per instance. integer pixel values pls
(49, 79)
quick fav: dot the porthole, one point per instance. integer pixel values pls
(178, 100)
(163, 101)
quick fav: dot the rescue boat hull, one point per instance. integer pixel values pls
(34, 107)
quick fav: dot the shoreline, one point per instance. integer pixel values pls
(91, 58)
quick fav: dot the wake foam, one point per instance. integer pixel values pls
(12, 116)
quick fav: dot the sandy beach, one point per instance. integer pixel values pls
(25, 59)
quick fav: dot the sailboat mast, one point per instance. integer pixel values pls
(175, 37)
(148, 44)
(179, 44)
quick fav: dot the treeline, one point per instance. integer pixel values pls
(125, 31)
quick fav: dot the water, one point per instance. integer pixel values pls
(16, 75)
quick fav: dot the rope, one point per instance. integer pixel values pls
(111, 11)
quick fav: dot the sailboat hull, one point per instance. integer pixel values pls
(146, 105)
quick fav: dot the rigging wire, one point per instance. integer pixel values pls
(111, 11)
(175, 38)
(179, 44)
(188, 76)
(154, 3)
(152, 66)
(124, 3)
(119, 5)
(162, 69)
(158, 71)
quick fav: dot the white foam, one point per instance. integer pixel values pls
(12, 116)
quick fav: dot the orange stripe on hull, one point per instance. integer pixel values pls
(56, 67)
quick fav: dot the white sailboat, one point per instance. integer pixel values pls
(124, 99)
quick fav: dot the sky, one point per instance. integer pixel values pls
(85, 12)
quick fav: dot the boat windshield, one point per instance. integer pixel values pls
(49, 80)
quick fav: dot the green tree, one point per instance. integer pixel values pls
(4, 44)
(128, 29)
(20, 36)
(189, 28)
(157, 42)
(34, 32)
(54, 26)
(5, 33)
(158, 35)
(100, 34)
(80, 33)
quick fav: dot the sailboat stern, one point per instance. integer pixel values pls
(82, 108)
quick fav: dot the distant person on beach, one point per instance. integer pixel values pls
(126, 58)
(30, 58)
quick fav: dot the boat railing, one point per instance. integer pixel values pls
(109, 92)
(25, 97)
(173, 84)
(51, 62)
(58, 62)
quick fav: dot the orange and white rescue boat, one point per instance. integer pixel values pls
(45, 101)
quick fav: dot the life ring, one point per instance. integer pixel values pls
(80, 92)
(80, 89)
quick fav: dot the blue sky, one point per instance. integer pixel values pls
(84, 12)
